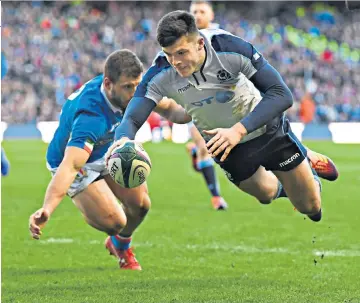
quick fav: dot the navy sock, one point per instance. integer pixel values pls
(208, 170)
(316, 217)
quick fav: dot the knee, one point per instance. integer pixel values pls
(190, 146)
(266, 194)
(115, 224)
(145, 206)
(312, 206)
(202, 152)
(139, 207)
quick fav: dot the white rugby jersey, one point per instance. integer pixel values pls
(220, 94)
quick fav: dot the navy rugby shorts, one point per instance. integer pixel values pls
(278, 149)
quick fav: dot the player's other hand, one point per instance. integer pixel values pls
(113, 146)
(37, 222)
(224, 139)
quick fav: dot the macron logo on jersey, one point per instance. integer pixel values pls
(288, 161)
(185, 88)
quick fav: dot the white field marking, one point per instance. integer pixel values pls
(241, 248)
(337, 253)
(57, 240)
(233, 248)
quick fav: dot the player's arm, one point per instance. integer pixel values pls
(276, 99)
(74, 159)
(137, 112)
(277, 96)
(87, 127)
(172, 111)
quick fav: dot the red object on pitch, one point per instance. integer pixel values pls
(126, 258)
(324, 166)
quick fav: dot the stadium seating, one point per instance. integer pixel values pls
(54, 47)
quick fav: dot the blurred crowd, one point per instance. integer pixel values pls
(52, 48)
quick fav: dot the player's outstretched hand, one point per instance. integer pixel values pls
(37, 221)
(224, 139)
(113, 146)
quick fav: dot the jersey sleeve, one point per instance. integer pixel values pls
(244, 58)
(241, 55)
(151, 87)
(88, 126)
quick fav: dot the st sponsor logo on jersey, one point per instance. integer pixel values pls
(288, 161)
(223, 75)
(185, 88)
(220, 97)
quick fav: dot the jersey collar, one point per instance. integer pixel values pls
(208, 57)
(113, 108)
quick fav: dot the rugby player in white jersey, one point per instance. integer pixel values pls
(204, 16)
(201, 160)
(237, 101)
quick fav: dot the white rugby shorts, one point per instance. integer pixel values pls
(87, 175)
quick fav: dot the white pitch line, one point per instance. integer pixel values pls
(235, 248)
(57, 240)
(241, 248)
(337, 253)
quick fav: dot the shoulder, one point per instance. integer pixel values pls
(159, 66)
(225, 42)
(88, 98)
(155, 77)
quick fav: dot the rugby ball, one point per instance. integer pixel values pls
(129, 164)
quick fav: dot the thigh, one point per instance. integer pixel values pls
(301, 187)
(239, 165)
(284, 151)
(87, 175)
(263, 185)
(130, 197)
(99, 205)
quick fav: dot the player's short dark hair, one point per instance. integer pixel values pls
(173, 26)
(122, 62)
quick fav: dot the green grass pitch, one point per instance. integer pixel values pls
(189, 252)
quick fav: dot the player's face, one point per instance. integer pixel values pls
(123, 90)
(186, 55)
(203, 14)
